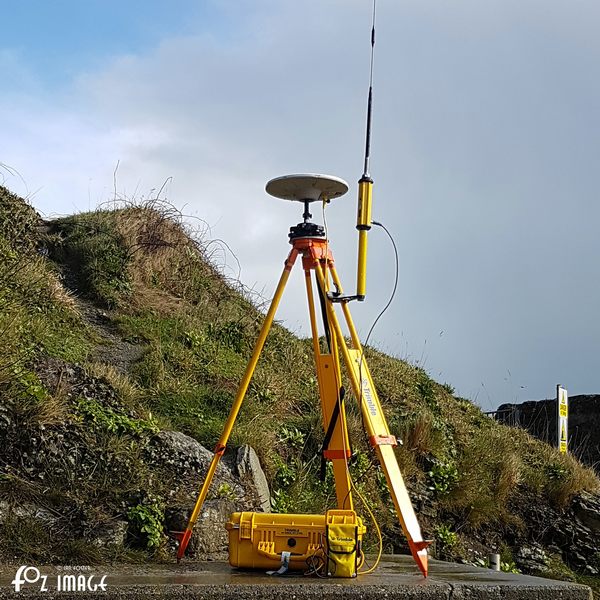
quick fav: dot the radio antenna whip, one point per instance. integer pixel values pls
(365, 187)
(370, 100)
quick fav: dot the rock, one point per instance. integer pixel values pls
(28, 511)
(577, 560)
(532, 558)
(181, 453)
(248, 467)
(587, 509)
(210, 536)
(113, 533)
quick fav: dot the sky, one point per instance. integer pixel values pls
(485, 156)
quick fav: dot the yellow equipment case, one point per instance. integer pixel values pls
(258, 540)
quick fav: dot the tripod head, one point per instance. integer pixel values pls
(306, 188)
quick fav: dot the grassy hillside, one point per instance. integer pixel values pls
(116, 325)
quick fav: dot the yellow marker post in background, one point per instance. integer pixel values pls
(562, 402)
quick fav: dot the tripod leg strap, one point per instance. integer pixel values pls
(335, 415)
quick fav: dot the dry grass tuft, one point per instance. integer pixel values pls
(490, 469)
(128, 391)
(59, 295)
(565, 476)
(420, 436)
(164, 254)
(52, 411)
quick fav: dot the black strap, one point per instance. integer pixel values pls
(324, 315)
(335, 415)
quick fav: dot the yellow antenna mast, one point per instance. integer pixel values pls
(365, 187)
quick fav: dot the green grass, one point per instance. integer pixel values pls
(95, 254)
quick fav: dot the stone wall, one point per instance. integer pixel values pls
(539, 419)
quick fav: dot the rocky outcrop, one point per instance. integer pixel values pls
(239, 485)
(71, 449)
(539, 419)
(573, 534)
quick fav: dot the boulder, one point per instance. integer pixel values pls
(182, 454)
(249, 469)
(210, 538)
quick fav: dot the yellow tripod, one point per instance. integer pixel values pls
(309, 242)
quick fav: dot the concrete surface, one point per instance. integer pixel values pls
(396, 577)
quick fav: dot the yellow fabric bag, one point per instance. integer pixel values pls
(343, 536)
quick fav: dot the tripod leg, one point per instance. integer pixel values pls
(235, 408)
(377, 429)
(332, 406)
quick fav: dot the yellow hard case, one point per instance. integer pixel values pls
(256, 540)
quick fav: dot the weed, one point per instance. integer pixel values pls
(197, 330)
(127, 391)
(285, 475)
(442, 477)
(281, 502)
(560, 476)
(226, 491)
(18, 221)
(505, 566)
(112, 421)
(382, 485)
(555, 472)
(262, 386)
(291, 436)
(89, 244)
(80, 552)
(32, 319)
(29, 387)
(426, 389)
(509, 567)
(446, 536)
(230, 334)
(425, 434)
(193, 339)
(26, 537)
(17, 490)
(146, 525)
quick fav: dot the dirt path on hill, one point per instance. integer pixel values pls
(112, 349)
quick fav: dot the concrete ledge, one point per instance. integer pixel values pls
(396, 578)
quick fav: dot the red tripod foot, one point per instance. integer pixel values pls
(184, 538)
(419, 552)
